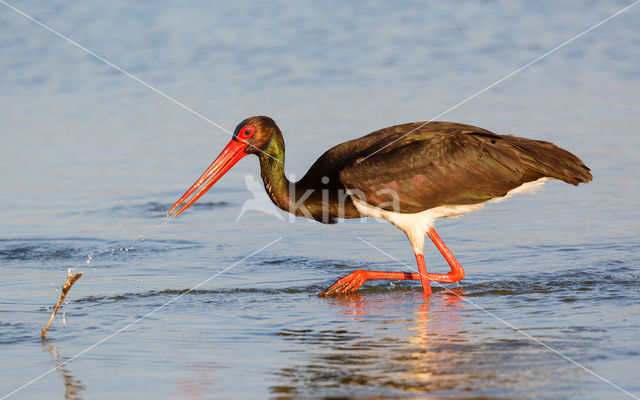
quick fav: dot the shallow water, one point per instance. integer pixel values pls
(91, 161)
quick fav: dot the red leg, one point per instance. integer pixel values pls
(353, 281)
(457, 272)
(424, 276)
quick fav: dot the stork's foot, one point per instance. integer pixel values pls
(347, 284)
(354, 280)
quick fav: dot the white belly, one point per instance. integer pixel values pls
(415, 225)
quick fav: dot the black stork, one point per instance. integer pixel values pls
(409, 174)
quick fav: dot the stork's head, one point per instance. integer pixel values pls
(251, 136)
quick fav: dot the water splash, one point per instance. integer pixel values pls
(141, 238)
(145, 235)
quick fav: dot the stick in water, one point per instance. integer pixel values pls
(71, 279)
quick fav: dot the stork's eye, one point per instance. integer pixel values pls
(247, 132)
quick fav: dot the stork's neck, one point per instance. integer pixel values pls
(272, 171)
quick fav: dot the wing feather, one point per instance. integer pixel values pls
(450, 164)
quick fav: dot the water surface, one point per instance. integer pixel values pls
(91, 160)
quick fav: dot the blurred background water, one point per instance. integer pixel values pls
(91, 160)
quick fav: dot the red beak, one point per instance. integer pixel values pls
(227, 159)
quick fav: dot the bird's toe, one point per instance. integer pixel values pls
(346, 284)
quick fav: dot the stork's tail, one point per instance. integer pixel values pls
(550, 160)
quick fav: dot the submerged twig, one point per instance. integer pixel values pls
(71, 279)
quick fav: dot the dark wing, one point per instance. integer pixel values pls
(449, 164)
(345, 154)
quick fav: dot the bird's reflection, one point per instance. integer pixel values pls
(73, 387)
(199, 379)
(382, 347)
